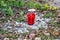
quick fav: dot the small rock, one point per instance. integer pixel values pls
(57, 39)
(19, 38)
(37, 38)
(6, 38)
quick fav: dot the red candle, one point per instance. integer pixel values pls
(31, 18)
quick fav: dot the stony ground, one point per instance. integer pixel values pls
(23, 27)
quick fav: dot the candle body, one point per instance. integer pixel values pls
(31, 18)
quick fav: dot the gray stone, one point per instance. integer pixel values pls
(57, 39)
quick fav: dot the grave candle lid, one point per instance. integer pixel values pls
(31, 10)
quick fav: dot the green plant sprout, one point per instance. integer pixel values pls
(49, 15)
(21, 12)
(19, 19)
(46, 7)
(16, 3)
(12, 0)
(10, 3)
(10, 11)
(2, 31)
(38, 6)
(30, 4)
(22, 3)
(3, 4)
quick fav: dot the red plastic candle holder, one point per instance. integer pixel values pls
(31, 18)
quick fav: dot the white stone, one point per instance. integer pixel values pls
(6, 38)
(37, 38)
(25, 39)
(47, 34)
(19, 38)
(47, 19)
(23, 30)
(17, 23)
(44, 25)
